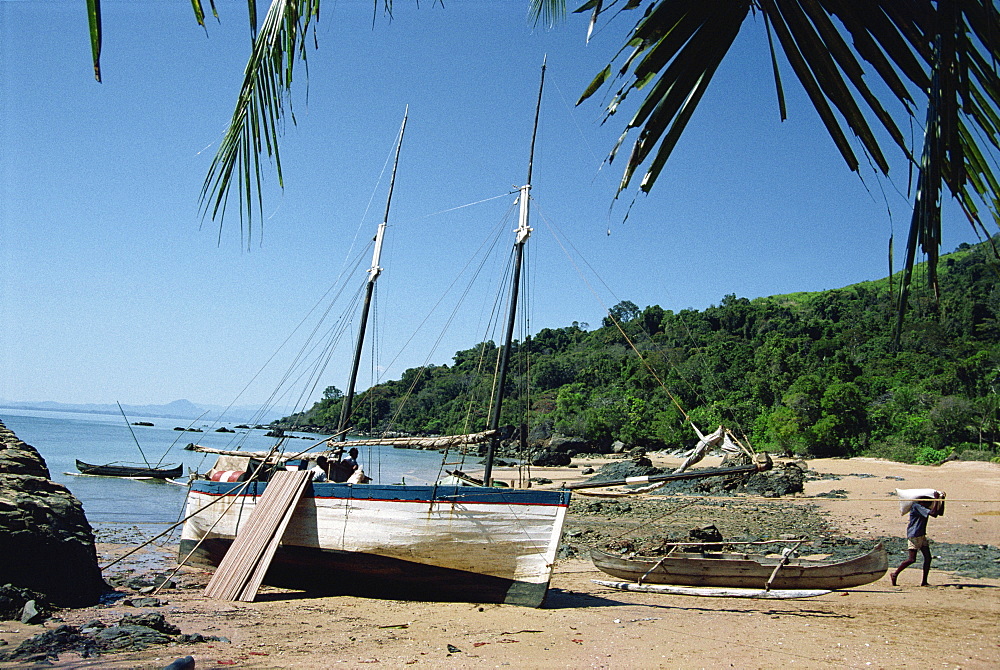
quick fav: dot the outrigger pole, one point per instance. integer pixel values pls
(373, 273)
(521, 236)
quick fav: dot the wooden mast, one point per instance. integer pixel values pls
(373, 273)
(521, 236)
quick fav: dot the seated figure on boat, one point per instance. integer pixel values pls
(320, 470)
(343, 470)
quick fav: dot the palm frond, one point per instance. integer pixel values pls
(548, 13)
(94, 20)
(258, 120)
(945, 49)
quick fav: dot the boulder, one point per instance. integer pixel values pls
(46, 542)
(622, 470)
(706, 534)
(16, 602)
(549, 459)
(32, 613)
(569, 445)
(540, 431)
(638, 456)
(781, 481)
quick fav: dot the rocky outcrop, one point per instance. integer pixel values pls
(551, 459)
(570, 445)
(46, 542)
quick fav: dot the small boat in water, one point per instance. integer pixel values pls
(129, 471)
(739, 570)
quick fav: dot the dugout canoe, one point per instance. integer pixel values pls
(129, 471)
(739, 570)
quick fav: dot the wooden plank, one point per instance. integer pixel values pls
(241, 571)
(249, 591)
(251, 545)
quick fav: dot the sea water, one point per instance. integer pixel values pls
(99, 439)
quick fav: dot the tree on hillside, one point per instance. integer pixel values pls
(622, 313)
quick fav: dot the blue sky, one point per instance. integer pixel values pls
(114, 289)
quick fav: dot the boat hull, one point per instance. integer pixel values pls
(471, 544)
(129, 471)
(744, 571)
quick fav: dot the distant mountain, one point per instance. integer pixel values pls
(178, 409)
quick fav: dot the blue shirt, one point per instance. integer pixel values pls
(918, 521)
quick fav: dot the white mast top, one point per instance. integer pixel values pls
(523, 229)
(374, 271)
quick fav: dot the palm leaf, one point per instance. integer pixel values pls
(813, 90)
(258, 119)
(547, 12)
(779, 91)
(94, 20)
(945, 49)
(816, 57)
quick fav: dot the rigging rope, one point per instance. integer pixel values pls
(553, 229)
(559, 241)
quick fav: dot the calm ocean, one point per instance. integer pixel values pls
(63, 437)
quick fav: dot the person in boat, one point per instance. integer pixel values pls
(319, 471)
(344, 469)
(916, 534)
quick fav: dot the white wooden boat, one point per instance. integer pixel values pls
(443, 542)
(462, 543)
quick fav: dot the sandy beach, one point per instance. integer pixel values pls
(954, 623)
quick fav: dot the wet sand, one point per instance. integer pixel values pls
(953, 623)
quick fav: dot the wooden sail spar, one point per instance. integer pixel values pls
(439, 442)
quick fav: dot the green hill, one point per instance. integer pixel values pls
(803, 373)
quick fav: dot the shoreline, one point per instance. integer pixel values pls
(586, 625)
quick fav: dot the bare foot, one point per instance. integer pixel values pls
(925, 584)
(892, 578)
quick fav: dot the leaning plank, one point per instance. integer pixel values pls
(249, 592)
(713, 591)
(242, 569)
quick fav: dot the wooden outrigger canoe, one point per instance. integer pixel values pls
(736, 570)
(133, 472)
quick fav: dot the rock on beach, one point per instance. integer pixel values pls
(46, 542)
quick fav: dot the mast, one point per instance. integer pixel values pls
(373, 273)
(521, 236)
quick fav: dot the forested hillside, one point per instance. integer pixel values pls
(807, 373)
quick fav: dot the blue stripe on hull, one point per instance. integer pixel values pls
(403, 493)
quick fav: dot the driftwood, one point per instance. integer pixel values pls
(763, 462)
(700, 449)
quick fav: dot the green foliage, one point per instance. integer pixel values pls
(931, 456)
(622, 313)
(812, 374)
